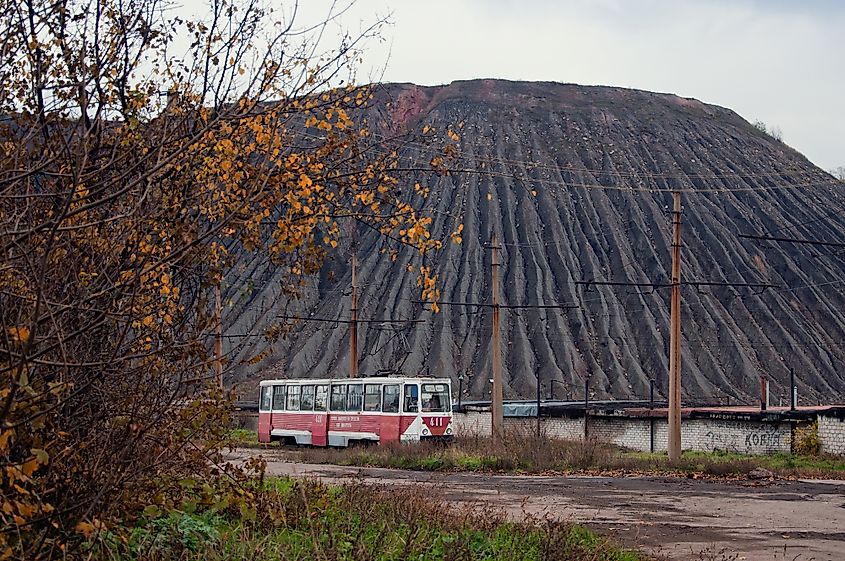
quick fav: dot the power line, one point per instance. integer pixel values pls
(509, 306)
(631, 188)
(350, 321)
(791, 240)
(536, 164)
(755, 285)
(829, 181)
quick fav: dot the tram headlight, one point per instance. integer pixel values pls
(425, 432)
(449, 430)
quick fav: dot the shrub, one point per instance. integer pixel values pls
(805, 440)
(302, 519)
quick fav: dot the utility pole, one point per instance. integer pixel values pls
(651, 415)
(353, 326)
(497, 421)
(674, 434)
(497, 410)
(674, 444)
(538, 404)
(586, 407)
(793, 391)
(764, 393)
(218, 336)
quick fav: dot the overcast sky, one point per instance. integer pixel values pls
(779, 61)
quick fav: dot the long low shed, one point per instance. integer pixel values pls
(636, 426)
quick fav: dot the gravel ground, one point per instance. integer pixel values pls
(679, 518)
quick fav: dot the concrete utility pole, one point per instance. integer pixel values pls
(353, 326)
(218, 337)
(764, 393)
(793, 391)
(674, 444)
(497, 421)
(538, 404)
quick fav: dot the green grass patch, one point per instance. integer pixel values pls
(720, 462)
(244, 437)
(298, 519)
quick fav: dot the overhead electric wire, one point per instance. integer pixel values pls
(426, 167)
(535, 164)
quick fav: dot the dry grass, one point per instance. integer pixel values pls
(525, 452)
(301, 519)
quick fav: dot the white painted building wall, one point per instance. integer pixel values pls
(832, 435)
(748, 437)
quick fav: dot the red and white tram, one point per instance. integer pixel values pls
(355, 410)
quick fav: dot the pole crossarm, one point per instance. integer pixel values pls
(791, 240)
(655, 285)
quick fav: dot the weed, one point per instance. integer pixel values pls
(301, 519)
(805, 440)
(525, 452)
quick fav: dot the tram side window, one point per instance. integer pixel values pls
(391, 398)
(278, 398)
(411, 398)
(321, 398)
(354, 397)
(306, 401)
(339, 397)
(293, 398)
(266, 398)
(372, 397)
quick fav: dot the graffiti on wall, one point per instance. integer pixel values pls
(744, 437)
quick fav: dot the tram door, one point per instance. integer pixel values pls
(320, 425)
(410, 426)
(391, 421)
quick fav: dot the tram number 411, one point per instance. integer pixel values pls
(435, 421)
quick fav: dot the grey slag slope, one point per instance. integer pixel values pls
(559, 171)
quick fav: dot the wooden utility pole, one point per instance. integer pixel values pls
(218, 337)
(353, 326)
(674, 444)
(497, 421)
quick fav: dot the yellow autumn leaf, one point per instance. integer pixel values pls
(26, 509)
(85, 528)
(18, 334)
(4, 439)
(29, 467)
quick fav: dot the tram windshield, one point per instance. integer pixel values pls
(435, 398)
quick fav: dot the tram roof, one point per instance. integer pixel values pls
(359, 380)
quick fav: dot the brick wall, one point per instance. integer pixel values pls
(748, 437)
(832, 435)
(471, 423)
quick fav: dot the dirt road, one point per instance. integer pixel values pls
(676, 517)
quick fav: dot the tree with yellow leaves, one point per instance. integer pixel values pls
(127, 175)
